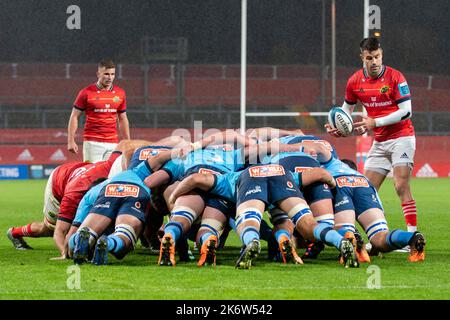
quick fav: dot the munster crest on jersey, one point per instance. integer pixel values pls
(116, 99)
(384, 89)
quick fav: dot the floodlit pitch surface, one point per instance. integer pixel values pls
(31, 275)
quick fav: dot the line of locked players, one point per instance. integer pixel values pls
(207, 188)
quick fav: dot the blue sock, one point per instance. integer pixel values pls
(72, 242)
(325, 233)
(115, 243)
(205, 237)
(397, 239)
(281, 232)
(248, 234)
(346, 227)
(175, 229)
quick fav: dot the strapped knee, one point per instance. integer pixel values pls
(326, 218)
(250, 214)
(376, 227)
(126, 231)
(277, 216)
(185, 213)
(298, 212)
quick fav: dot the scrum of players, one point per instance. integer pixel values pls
(206, 189)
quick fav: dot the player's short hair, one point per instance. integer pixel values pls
(350, 163)
(106, 63)
(369, 44)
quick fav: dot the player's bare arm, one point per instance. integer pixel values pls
(317, 175)
(72, 129)
(124, 125)
(198, 180)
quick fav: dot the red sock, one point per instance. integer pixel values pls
(410, 213)
(24, 231)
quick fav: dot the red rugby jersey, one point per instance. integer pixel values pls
(80, 182)
(101, 107)
(380, 96)
(63, 174)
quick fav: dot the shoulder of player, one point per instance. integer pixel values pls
(394, 73)
(357, 75)
(118, 89)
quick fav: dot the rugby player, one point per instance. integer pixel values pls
(252, 190)
(122, 200)
(65, 188)
(104, 104)
(356, 198)
(384, 94)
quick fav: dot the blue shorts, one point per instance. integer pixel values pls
(355, 193)
(313, 192)
(268, 183)
(119, 198)
(224, 206)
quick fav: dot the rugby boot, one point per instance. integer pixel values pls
(208, 252)
(313, 250)
(348, 256)
(18, 242)
(358, 246)
(101, 252)
(288, 253)
(81, 250)
(167, 251)
(417, 245)
(248, 254)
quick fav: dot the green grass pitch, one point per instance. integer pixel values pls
(31, 275)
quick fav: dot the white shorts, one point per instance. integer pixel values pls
(116, 167)
(94, 151)
(383, 156)
(51, 205)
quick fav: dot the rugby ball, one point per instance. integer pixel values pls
(340, 120)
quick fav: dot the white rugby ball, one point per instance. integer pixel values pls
(340, 120)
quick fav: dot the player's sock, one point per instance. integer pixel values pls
(345, 227)
(280, 233)
(205, 237)
(175, 229)
(72, 242)
(249, 234)
(24, 231)
(397, 239)
(326, 218)
(410, 214)
(115, 243)
(325, 233)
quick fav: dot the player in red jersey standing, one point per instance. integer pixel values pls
(385, 95)
(103, 104)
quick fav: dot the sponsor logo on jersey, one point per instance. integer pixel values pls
(137, 204)
(290, 184)
(302, 169)
(352, 182)
(403, 89)
(105, 205)
(105, 110)
(404, 156)
(107, 105)
(384, 89)
(257, 189)
(208, 171)
(149, 152)
(121, 190)
(269, 170)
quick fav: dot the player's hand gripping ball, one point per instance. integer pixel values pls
(340, 120)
